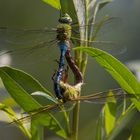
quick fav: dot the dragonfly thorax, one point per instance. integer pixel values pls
(63, 32)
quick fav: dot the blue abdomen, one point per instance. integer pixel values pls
(63, 49)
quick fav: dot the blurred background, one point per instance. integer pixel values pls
(35, 14)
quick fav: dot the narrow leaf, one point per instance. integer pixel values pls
(117, 70)
(110, 114)
(12, 115)
(14, 87)
(131, 115)
(20, 85)
(45, 96)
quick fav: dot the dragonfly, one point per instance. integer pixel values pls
(26, 45)
(117, 94)
(63, 37)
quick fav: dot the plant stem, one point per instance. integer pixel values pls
(13, 117)
(82, 65)
(84, 55)
(75, 123)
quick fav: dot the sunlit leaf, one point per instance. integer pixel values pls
(53, 3)
(12, 115)
(7, 110)
(45, 96)
(110, 114)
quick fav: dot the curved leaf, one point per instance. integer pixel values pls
(44, 95)
(20, 85)
(12, 81)
(118, 71)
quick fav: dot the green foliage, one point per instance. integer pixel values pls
(12, 115)
(117, 70)
(127, 119)
(20, 86)
(126, 80)
(28, 92)
(135, 131)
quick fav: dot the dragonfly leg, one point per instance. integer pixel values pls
(57, 61)
(53, 75)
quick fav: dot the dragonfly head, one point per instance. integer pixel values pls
(65, 19)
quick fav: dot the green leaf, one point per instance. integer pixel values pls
(20, 85)
(53, 3)
(136, 131)
(50, 121)
(12, 115)
(45, 96)
(110, 114)
(37, 131)
(127, 120)
(117, 70)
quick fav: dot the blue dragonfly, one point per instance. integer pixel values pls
(63, 37)
(35, 44)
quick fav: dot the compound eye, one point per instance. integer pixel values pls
(65, 19)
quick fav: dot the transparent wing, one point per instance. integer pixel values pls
(98, 98)
(103, 97)
(26, 36)
(98, 34)
(30, 46)
(103, 26)
(108, 46)
(26, 46)
(34, 114)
